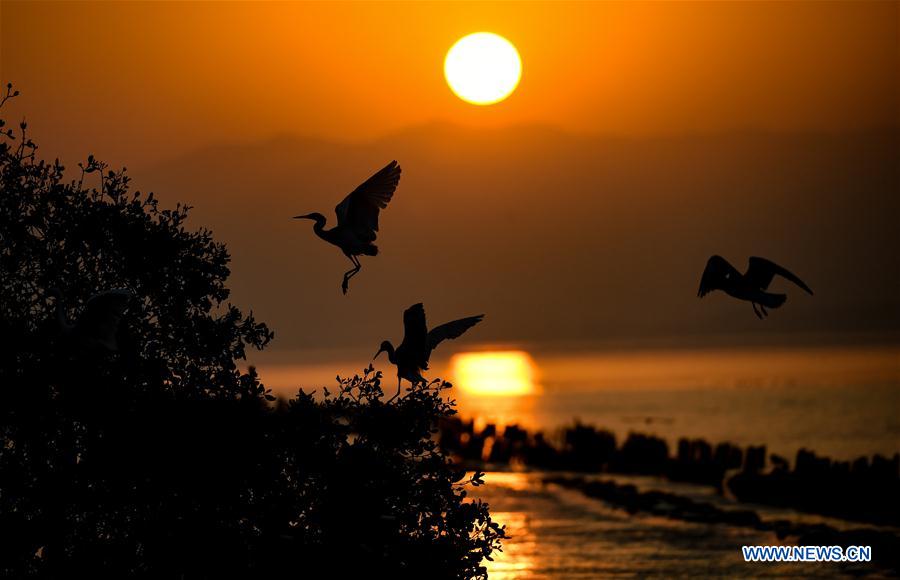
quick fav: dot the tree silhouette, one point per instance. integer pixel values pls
(164, 458)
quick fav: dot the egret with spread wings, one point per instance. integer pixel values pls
(751, 285)
(357, 218)
(411, 357)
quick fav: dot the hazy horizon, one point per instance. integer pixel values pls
(754, 200)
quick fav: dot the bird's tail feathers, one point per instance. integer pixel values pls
(370, 250)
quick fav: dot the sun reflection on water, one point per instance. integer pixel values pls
(518, 558)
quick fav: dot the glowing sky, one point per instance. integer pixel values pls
(642, 138)
(141, 80)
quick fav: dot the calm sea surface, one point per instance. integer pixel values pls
(841, 422)
(836, 401)
(839, 402)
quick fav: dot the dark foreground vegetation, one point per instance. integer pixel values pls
(162, 458)
(863, 490)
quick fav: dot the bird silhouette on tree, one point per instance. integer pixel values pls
(357, 218)
(751, 285)
(411, 357)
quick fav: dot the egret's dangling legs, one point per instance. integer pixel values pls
(398, 390)
(350, 273)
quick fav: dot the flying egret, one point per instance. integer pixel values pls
(751, 285)
(98, 324)
(357, 218)
(411, 357)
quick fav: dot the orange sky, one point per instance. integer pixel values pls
(139, 81)
(759, 128)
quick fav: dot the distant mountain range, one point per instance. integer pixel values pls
(557, 237)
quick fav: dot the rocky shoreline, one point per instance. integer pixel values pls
(865, 490)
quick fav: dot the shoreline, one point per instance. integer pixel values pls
(864, 490)
(885, 545)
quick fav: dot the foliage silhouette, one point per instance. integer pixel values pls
(163, 458)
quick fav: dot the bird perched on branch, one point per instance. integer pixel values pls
(411, 357)
(98, 325)
(751, 285)
(357, 218)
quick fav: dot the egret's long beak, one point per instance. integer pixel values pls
(303, 217)
(380, 350)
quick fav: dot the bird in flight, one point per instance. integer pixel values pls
(751, 285)
(411, 357)
(98, 325)
(357, 218)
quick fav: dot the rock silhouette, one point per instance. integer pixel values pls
(861, 490)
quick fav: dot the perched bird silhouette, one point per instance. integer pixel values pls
(411, 357)
(751, 285)
(97, 326)
(357, 218)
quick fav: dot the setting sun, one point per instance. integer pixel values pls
(483, 68)
(494, 373)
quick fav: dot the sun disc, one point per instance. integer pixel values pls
(494, 373)
(483, 68)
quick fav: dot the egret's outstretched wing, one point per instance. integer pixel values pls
(359, 210)
(451, 330)
(761, 271)
(714, 275)
(102, 315)
(415, 332)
